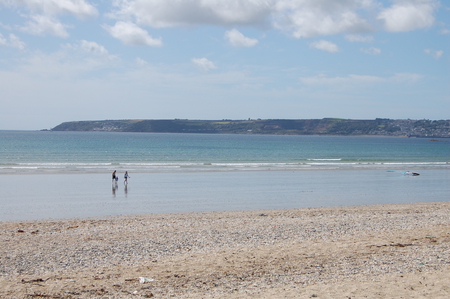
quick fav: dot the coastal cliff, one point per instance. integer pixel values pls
(325, 126)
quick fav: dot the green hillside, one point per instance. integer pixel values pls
(326, 126)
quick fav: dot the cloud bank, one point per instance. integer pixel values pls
(300, 18)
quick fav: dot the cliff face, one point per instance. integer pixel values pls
(326, 126)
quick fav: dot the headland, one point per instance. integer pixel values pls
(325, 126)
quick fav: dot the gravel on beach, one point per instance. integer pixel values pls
(379, 251)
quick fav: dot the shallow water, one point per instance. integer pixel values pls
(68, 174)
(57, 196)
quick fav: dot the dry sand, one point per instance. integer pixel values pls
(381, 251)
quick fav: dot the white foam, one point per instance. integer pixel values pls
(324, 159)
(148, 167)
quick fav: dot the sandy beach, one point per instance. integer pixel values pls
(379, 251)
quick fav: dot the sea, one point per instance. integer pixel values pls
(59, 175)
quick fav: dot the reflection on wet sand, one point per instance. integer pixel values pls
(114, 188)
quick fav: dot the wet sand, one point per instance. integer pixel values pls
(378, 251)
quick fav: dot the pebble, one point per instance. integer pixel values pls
(39, 247)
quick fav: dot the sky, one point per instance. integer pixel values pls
(70, 60)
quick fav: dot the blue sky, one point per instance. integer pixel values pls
(65, 60)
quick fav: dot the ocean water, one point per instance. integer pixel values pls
(68, 174)
(99, 152)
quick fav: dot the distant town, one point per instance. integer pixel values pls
(325, 126)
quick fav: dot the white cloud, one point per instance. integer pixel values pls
(435, 54)
(445, 31)
(141, 62)
(237, 39)
(131, 34)
(301, 18)
(371, 50)
(41, 24)
(79, 8)
(3, 41)
(204, 64)
(14, 42)
(309, 18)
(305, 18)
(325, 46)
(408, 15)
(358, 38)
(42, 14)
(171, 13)
(94, 48)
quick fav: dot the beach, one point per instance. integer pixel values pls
(371, 251)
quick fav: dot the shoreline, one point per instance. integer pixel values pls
(244, 167)
(312, 165)
(380, 251)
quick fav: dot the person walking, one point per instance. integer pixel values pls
(125, 177)
(114, 176)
